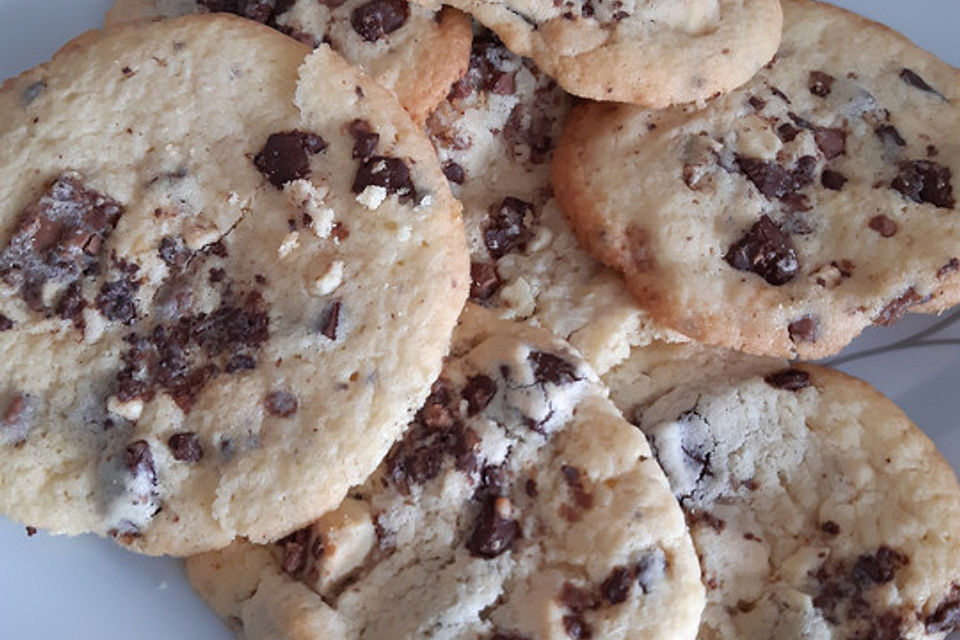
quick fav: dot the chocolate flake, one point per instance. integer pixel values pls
(765, 250)
(284, 156)
(377, 18)
(505, 230)
(281, 403)
(789, 379)
(330, 320)
(548, 368)
(116, 300)
(365, 139)
(185, 446)
(925, 181)
(898, 307)
(484, 280)
(913, 79)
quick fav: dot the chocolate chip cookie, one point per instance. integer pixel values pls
(818, 510)
(413, 51)
(219, 309)
(649, 52)
(786, 216)
(494, 135)
(518, 504)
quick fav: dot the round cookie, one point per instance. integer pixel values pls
(519, 504)
(649, 52)
(212, 305)
(413, 51)
(787, 215)
(817, 508)
(494, 135)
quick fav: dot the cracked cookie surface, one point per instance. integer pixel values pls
(192, 292)
(411, 50)
(494, 135)
(518, 504)
(818, 510)
(791, 213)
(649, 52)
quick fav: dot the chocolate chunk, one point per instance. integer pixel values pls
(879, 567)
(889, 135)
(832, 142)
(789, 379)
(58, 238)
(365, 139)
(5, 323)
(232, 326)
(330, 320)
(484, 280)
(185, 446)
(925, 181)
(174, 251)
(773, 180)
(576, 627)
(914, 80)
(377, 18)
(833, 180)
(577, 599)
(284, 156)
(787, 132)
(31, 531)
(281, 403)
(617, 585)
(883, 225)
(946, 617)
(71, 304)
(830, 527)
(478, 392)
(494, 530)
(116, 300)
(898, 307)
(757, 103)
(505, 232)
(765, 250)
(950, 267)
(805, 329)
(820, 83)
(531, 126)
(140, 461)
(548, 368)
(390, 173)
(454, 172)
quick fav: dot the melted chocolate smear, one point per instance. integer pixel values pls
(382, 171)
(898, 307)
(185, 446)
(789, 379)
(927, 182)
(494, 530)
(377, 18)
(913, 79)
(765, 250)
(504, 231)
(58, 238)
(548, 368)
(284, 157)
(478, 392)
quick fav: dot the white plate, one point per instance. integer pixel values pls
(89, 588)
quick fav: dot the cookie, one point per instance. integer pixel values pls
(649, 52)
(211, 304)
(817, 508)
(413, 51)
(519, 504)
(791, 213)
(494, 135)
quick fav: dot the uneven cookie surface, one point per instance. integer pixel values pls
(789, 214)
(519, 504)
(190, 295)
(649, 52)
(413, 51)
(494, 136)
(817, 508)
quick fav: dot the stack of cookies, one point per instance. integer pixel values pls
(401, 320)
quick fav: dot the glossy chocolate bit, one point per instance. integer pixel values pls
(505, 230)
(382, 171)
(805, 329)
(925, 181)
(478, 392)
(548, 368)
(282, 404)
(140, 461)
(494, 530)
(833, 180)
(375, 19)
(330, 320)
(365, 139)
(285, 158)
(894, 310)
(453, 172)
(484, 280)
(789, 379)
(946, 617)
(883, 225)
(765, 250)
(58, 238)
(820, 83)
(913, 79)
(774, 180)
(185, 446)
